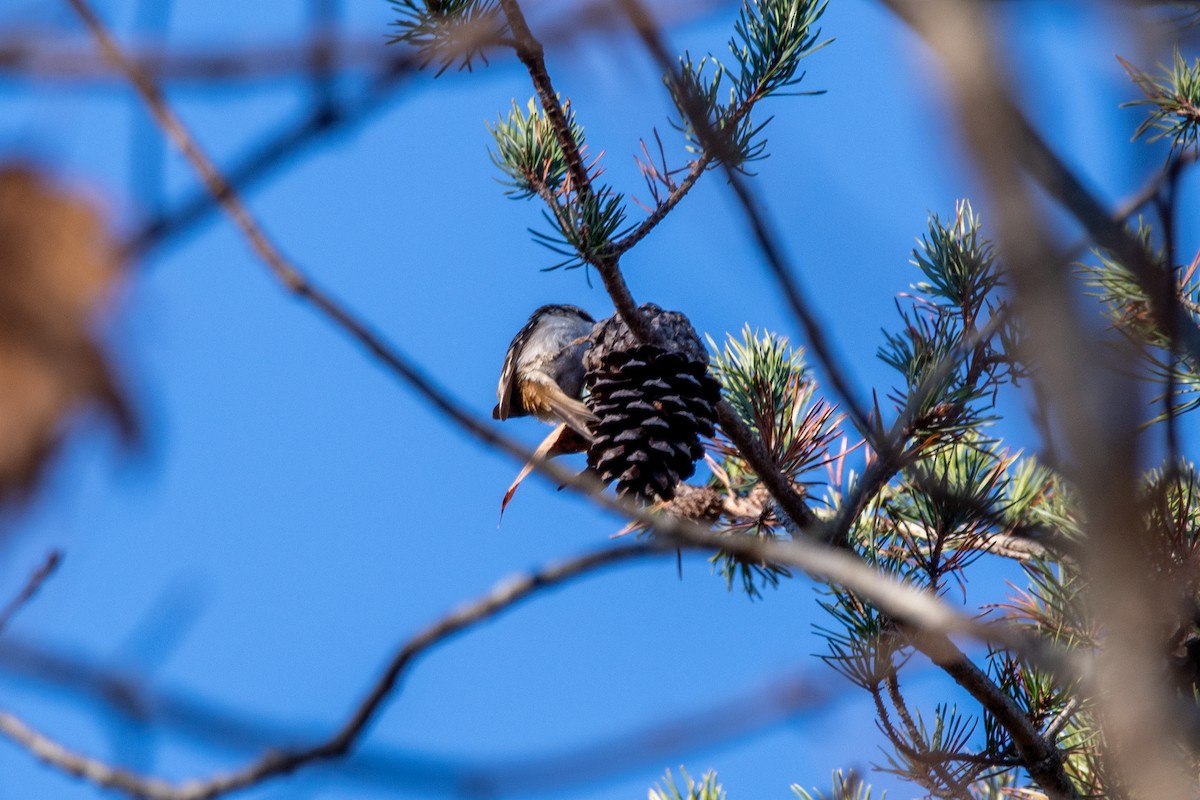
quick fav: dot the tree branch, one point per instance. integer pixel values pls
(1039, 757)
(532, 54)
(261, 159)
(503, 596)
(46, 58)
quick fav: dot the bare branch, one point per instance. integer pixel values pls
(502, 597)
(697, 168)
(741, 713)
(262, 158)
(32, 585)
(46, 58)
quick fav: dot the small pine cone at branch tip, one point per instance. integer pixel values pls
(652, 404)
(699, 503)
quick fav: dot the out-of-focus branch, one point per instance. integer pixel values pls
(341, 114)
(45, 58)
(504, 596)
(1089, 391)
(919, 609)
(31, 587)
(196, 719)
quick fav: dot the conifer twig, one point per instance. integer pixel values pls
(532, 54)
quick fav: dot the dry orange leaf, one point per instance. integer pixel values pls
(57, 264)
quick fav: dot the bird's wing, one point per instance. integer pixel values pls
(506, 390)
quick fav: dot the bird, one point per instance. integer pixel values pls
(543, 370)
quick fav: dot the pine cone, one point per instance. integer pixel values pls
(653, 404)
(612, 335)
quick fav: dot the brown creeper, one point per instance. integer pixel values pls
(543, 369)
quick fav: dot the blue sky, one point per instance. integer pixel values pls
(295, 513)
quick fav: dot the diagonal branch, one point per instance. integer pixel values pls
(261, 159)
(1039, 755)
(697, 168)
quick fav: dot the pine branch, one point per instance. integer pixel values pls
(1086, 385)
(532, 54)
(1039, 757)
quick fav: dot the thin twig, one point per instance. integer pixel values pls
(32, 585)
(697, 168)
(919, 747)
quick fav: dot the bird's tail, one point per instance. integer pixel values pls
(578, 417)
